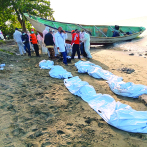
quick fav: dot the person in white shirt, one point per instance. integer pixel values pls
(86, 40)
(17, 37)
(60, 37)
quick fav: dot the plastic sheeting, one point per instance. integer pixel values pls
(46, 64)
(115, 83)
(128, 89)
(59, 72)
(94, 70)
(114, 113)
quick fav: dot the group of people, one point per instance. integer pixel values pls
(26, 42)
(54, 42)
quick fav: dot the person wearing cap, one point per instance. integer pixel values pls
(48, 40)
(25, 40)
(33, 40)
(44, 33)
(60, 37)
(17, 37)
(75, 42)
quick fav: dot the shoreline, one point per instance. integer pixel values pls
(37, 110)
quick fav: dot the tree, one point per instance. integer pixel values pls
(15, 9)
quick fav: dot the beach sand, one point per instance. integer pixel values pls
(38, 111)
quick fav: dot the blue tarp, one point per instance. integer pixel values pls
(46, 64)
(128, 89)
(59, 72)
(114, 113)
(115, 83)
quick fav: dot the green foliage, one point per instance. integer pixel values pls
(12, 11)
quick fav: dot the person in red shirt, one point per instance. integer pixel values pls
(75, 42)
(34, 41)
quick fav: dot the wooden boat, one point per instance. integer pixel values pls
(99, 34)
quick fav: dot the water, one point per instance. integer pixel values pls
(138, 46)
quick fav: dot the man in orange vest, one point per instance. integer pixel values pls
(75, 42)
(33, 40)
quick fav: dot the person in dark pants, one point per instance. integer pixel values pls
(25, 40)
(48, 40)
(75, 42)
(34, 41)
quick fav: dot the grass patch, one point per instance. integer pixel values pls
(6, 52)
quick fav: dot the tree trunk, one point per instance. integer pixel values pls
(23, 26)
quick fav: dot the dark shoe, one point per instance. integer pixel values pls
(39, 56)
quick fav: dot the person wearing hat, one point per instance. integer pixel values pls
(33, 40)
(17, 37)
(48, 40)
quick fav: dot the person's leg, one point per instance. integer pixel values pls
(31, 46)
(36, 49)
(64, 58)
(56, 51)
(23, 49)
(84, 53)
(28, 47)
(73, 51)
(78, 51)
(48, 53)
(87, 50)
(20, 48)
(82, 48)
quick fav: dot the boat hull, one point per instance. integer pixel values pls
(93, 39)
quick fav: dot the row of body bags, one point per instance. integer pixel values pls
(114, 113)
(116, 84)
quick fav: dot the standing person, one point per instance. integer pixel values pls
(75, 43)
(33, 40)
(86, 40)
(44, 33)
(48, 40)
(18, 40)
(60, 37)
(25, 40)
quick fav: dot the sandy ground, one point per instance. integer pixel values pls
(38, 111)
